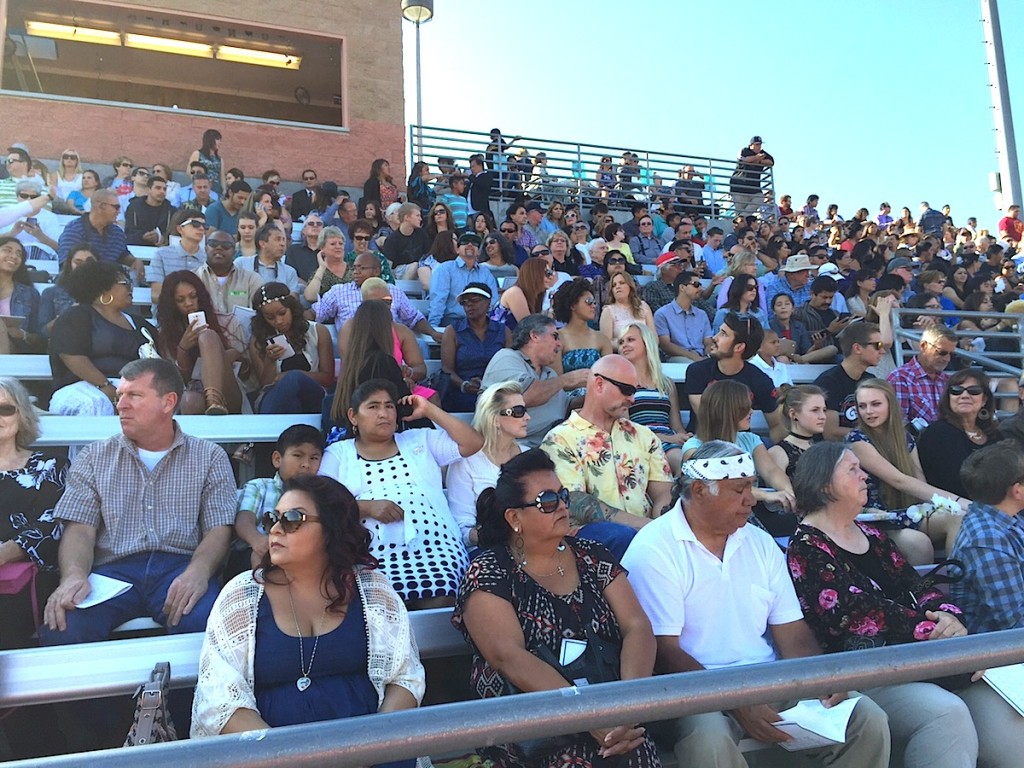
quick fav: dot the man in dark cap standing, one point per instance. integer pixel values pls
(745, 183)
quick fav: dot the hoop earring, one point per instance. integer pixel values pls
(109, 301)
(984, 414)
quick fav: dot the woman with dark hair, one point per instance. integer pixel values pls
(438, 219)
(371, 211)
(615, 236)
(983, 282)
(292, 359)
(497, 253)
(91, 342)
(396, 476)
(574, 305)
(444, 248)
(858, 591)
(248, 225)
(204, 344)
(625, 306)
(318, 588)
(380, 185)
(803, 348)
(978, 301)
(208, 155)
(467, 346)
(858, 294)
(56, 300)
(80, 200)
(264, 203)
(19, 301)
(955, 286)
(778, 248)
(526, 297)
(743, 297)
(418, 189)
(482, 223)
(531, 589)
(966, 424)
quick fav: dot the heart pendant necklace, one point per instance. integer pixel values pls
(303, 682)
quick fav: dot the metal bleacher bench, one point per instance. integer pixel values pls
(234, 428)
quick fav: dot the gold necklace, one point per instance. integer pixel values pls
(303, 682)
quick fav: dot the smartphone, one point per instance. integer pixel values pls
(282, 341)
(32, 221)
(198, 319)
(404, 410)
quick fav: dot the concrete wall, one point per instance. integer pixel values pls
(372, 90)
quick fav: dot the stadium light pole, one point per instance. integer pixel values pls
(418, 12)
(1006, 146)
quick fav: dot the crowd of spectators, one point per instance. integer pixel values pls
(560, 427)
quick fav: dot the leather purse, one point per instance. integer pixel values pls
(152, 722)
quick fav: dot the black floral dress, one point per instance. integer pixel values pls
(547, 619)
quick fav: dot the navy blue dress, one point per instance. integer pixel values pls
(471, 358)
(339, 685)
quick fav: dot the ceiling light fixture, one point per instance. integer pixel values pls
(168, 45)
(259, 58)
(73, 33)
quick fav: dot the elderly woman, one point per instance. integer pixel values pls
(92, 341)
(397, 478)
(31, 483)
(331, 266)
(360, 234)
(467, 346)
(19, 301)
(318, 585)
(532, 589)
(501, 419)
(857, 591)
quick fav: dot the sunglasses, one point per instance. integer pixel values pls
(439, 212)
(940, 352)
(470, 300)
(309, 178)
(490, 242)
(956, 390)
(541, 252)
(516, 411)
(9, 410)
(220, 244)
(290, 519)
(580, 228)
(627, 390)
(616, 260)
(68, 157)
(508, 231)
(360, 237)
(194, 223)
(549, 273)
(590, 302)
(547, 501)
(25, 196)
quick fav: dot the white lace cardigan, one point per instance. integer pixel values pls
(226, 663)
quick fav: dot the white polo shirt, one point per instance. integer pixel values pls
(719, 609)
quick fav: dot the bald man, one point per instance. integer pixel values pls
(615, 470)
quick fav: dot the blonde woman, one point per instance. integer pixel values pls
(68, 178)
(625, 306)
(656, 402)
(501, 418)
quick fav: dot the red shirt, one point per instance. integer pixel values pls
(1014, 228)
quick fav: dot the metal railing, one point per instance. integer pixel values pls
(572, 170)
(447, 728)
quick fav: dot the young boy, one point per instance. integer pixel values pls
(298, 452)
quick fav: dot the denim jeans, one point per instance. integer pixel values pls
(615, 536)
(295, 392)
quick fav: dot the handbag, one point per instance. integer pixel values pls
(14, 577)
(152, 722)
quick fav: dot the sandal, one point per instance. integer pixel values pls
(215, 404)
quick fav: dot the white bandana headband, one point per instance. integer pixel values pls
(720, 467)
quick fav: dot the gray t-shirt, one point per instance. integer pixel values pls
(512, 365)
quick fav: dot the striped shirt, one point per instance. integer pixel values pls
(189, 492)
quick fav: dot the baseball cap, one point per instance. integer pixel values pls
(533, 205)
(829, 269)
(665, 258)
(470, 237)
(755, 140)
(898, 263)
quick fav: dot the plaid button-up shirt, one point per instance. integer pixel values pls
(918, 391)
(190, 491)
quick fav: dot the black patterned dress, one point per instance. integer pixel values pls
(546, 619)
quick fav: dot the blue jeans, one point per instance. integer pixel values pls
(295, 392)
(615, 536)
(151, 575)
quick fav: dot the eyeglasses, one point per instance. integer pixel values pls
(541, 252)
(507, 231)
(290, 519)
(615, 260)
(627, 390)
(124, 165)
(547, 501)
(516, 411)
(580, 228)
(549, 273)
(125, 282)
(220, 244)
(6, 409)
(359, 237)
(956, 390)
(194, 223)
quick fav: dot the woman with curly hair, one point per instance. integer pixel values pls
(625, 307)
(574, 305)
(204, 344)
(292, 359)
(318, 588)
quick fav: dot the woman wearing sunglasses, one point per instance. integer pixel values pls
(966, 424)
(575, 305)
(316, 633)
(396, 476)
(501, 418)
(94, 340)
(467, 346)
(536, 594)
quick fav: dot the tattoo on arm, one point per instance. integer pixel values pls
(585, 508)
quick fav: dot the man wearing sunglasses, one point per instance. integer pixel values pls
(684, 331)
(718, 594)
(98, 230)
(919, 382)
(535, 347)
(18, 166)
(190, 226)
(451, 278)
(229, 286)
(151, 506)
(862, 348)
(614, 468)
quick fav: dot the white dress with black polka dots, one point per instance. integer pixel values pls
(423, 554)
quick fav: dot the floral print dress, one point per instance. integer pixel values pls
(860, 601)
(30, 495)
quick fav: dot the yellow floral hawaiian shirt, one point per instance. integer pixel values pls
(615, 467)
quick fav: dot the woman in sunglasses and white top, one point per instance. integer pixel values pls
(316, 633)
(396, 476)
(536, 590)
(501, 418)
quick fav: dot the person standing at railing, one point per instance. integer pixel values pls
(479, 191)
(745, 183)
(718, 595)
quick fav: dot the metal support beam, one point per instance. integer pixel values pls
(435, 730)
(1006, 144)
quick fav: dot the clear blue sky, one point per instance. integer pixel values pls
(858, 102)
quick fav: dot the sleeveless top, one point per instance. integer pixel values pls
(212, 166)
